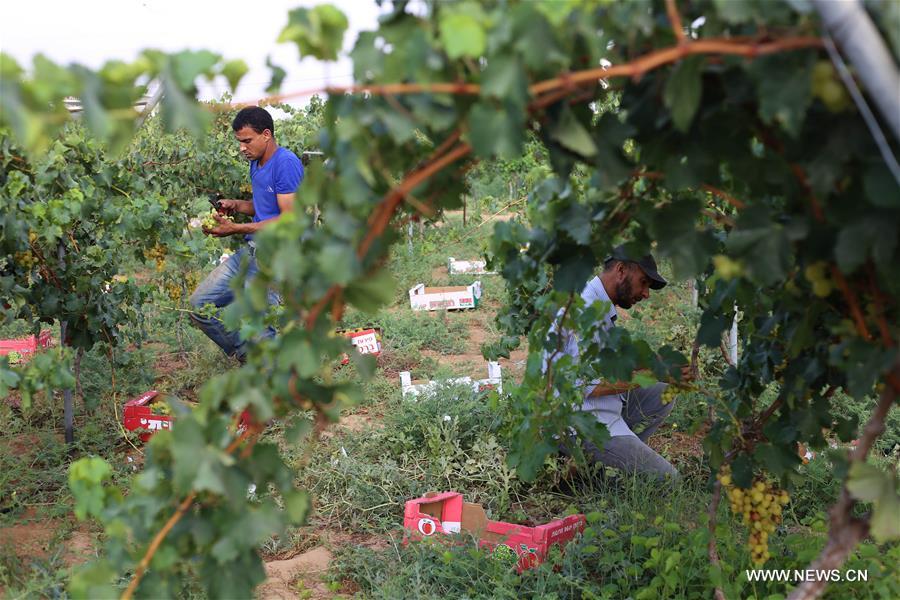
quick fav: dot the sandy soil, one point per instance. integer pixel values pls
(288, 578)
(34, 537)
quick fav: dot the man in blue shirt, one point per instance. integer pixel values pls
(623, 407)
(275, 174)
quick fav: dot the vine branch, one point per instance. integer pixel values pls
(154, 544)
(711, 545)
(878, 300)
(738, 204)
(675, 20)
(635, 68)
(852, 302)
(654, 60)
(385, 210)
(173, 520)
(846, 530)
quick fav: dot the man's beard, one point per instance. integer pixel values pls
(624, 294)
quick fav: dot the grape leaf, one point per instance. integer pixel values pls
(683, 91)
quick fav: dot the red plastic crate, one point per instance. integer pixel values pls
(26, 345)
(446, 513)
(138, 414)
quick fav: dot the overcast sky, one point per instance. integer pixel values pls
(93, 31)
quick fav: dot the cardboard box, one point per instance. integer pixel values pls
(446, 513)
(366, 341)
(139, 414)
(806, 454)
(26, 346)
(473, 267)
(445, 298)
(494, 381)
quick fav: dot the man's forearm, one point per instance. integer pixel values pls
(245, 207)
(610, 389)
(250, 228)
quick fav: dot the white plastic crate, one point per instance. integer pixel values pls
(413, 390)
(473, 267)
(445, 298)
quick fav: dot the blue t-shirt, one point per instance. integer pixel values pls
(282, 174)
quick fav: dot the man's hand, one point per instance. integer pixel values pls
(224, 227)
(230, 207)
(687, 376)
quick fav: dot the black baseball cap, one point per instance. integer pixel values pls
(646, 263)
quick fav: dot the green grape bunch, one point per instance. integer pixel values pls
(760, 508)
(669, 394)
(827, 86)
(817, 275)
(173, 291)
(209, 221)
(206, 220)
(192, 279)
(158, 254)
(25, 259)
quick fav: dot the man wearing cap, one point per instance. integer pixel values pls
(624, 407)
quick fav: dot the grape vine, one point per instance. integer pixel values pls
(727, 149)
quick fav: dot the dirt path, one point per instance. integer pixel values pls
(302, 574)
(33, 537)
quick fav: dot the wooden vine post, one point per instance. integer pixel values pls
(68, 408)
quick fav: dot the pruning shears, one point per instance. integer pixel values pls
(214, 200)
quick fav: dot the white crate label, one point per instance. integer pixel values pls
(366, 343)
(440, 303)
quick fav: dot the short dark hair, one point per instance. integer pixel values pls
(611, 263)
(256, 118)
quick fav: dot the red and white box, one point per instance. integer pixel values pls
(26, 346)
(365, 340)
(138, 414)
(446, 513)
(456, 297)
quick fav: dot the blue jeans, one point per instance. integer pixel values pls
(216, 290)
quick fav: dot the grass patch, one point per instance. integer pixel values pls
(644, 541)
(630, 549)
(406, 332)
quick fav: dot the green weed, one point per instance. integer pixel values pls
(22, 577)
(643, 541)
(630, 548)
(411, 332)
